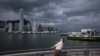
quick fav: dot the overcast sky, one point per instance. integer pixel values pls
(68, 15)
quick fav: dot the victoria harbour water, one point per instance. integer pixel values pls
(18, 41)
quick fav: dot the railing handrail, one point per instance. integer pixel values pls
(26, 50)
(51, 50)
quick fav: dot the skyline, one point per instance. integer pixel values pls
(67, 15)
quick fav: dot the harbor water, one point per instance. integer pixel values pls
(25, 41)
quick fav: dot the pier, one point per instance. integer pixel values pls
(65, 52)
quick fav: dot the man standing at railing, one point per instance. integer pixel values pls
(58, 47)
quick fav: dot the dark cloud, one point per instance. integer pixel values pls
(62, 13)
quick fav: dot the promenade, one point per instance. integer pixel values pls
(65, 52)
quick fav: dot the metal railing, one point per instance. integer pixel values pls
(65, 52)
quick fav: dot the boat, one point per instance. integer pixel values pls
(84, 35)
(63, 34)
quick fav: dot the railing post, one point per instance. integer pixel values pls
(86, 53)
(64, 53)
(41, 54)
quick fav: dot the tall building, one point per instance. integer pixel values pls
(16, 26)
(21, 20)
(10, 27)
(40, 28)
(34, 27)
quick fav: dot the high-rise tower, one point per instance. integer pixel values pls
(10, 27)
(34, 27)
(21, 20)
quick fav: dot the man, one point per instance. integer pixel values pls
(58, 46)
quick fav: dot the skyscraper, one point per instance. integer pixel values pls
(10, 27)
(40, 28)
(34, 27)
(21, 20)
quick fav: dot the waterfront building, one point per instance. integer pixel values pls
(9, 27)
(40, 28)
(28, 27)
(47, 29)
(34, 27)
(3, 26)
(16, 26)
(21, 20)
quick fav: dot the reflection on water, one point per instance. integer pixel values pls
(9, 42)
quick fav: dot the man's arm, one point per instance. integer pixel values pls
(53, 46)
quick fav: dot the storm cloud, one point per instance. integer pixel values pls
(69, 15)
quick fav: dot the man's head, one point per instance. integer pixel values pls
(62, 39)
